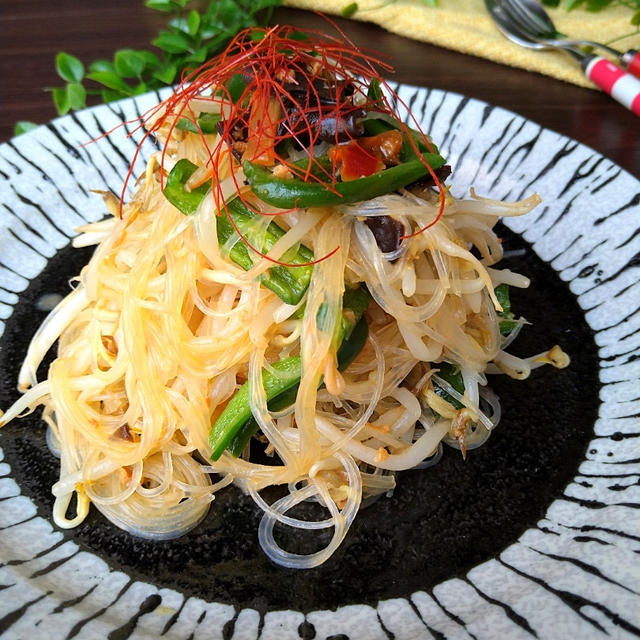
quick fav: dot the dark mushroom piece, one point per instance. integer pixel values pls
(387, 232)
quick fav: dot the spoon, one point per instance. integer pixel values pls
(619, 84)
(536, 23)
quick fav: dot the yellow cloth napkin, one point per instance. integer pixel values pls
(464, 25)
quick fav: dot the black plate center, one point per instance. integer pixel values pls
(439, 523)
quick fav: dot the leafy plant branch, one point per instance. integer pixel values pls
(189, 39)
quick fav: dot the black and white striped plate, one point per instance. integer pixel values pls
(537, 535)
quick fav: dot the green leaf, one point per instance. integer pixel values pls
(236, 86)
(179, 24)
(198, 56)
(69, 68)
(430, 3)
(61, 100)
(140, 89)
(22, 126)
(151, 60)
(128, 63)
(172, 42)
(572, 4)
(193, 22)
(166, 75)
(349, 10)
(101, 65)
(110, 80)
(109, 95)
(77, 96)
(299, 36)
(214, 44)
(160, 5)
(635, 18)
(595, 6)
(551, 3)
(190, 38)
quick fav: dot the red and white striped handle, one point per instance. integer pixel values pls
(619, 84)
(631, 62)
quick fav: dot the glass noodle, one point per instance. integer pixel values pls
(163, 328)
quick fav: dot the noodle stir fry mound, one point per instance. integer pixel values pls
(291, 297)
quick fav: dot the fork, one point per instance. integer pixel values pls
(536, 23)
(619, 84)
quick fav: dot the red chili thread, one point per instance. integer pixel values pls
(277, 66)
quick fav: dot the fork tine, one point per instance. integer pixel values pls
(532, 25)
(514, 31)
(528, 20)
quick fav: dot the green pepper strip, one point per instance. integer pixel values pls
(449, 373)
(206, 123)
(508, 322)
(354, 303)
(353, 343)
(374, 92)
(291, 193)
(232, 422)
(320, 167)
(175, 191)
(289, 283)
(286, 373)
(347, 353)
(236, 86)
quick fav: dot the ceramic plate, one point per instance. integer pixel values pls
(536, 535)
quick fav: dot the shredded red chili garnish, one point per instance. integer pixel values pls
(299, 87)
